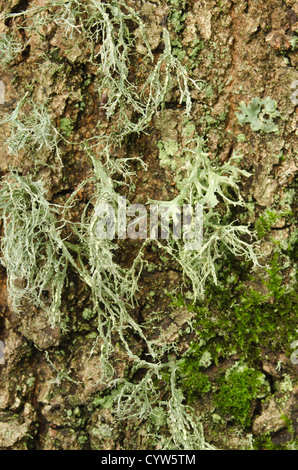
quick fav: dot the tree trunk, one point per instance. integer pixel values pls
(136, 341)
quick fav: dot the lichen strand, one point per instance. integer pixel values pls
(176, 102)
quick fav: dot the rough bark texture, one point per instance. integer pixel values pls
(51, 393)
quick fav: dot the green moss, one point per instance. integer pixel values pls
(194, 383)
(238, 388)
(66, 126)
(268, 219)
(265, 443)
(234, 317)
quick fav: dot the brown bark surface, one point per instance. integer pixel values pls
(51, 396)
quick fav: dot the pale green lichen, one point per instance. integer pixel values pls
(10, 48)
(32, 246)
(202, 183)
(37, 255)
(260, 113)
(31, 130)
(167, 150)
(112, 287)
(143, 401)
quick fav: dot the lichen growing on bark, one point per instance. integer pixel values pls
(148, 117)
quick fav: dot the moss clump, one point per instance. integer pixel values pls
(66, 126)
(268, 219)
(238, 388)
(194, 383)
(235, 317)
(265, 442)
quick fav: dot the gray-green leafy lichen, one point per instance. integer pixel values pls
(260, 114)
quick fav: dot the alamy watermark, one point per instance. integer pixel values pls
(154, 221)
